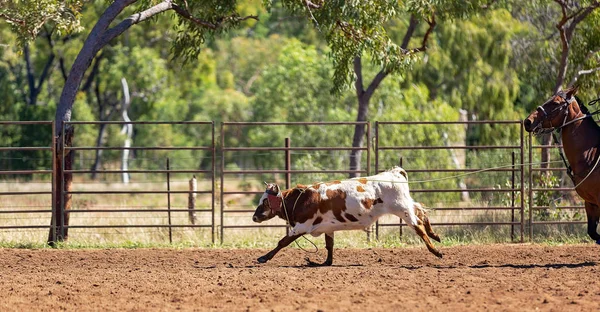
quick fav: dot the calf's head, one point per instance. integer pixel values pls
(269, 204)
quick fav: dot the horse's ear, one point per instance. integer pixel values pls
(572, 91)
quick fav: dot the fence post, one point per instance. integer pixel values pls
(400, 226)
(169, 201)
(522, 178)
(530, 200)
(52, 234)
(288, 174)
(512, 200)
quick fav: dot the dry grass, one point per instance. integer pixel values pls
(100, 212)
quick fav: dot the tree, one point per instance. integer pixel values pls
(566, 47)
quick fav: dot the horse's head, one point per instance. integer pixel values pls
(552, 114)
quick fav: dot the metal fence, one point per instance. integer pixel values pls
(546, 192)
(38, 212)
(295, 153)
(514, 172)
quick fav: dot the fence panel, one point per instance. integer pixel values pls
(298, 150)
(553, 203)
(466, 184)
(142, 194)
(26, 192)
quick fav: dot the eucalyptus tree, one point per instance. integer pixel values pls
(563, 51)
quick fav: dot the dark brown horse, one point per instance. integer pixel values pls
(581, 142)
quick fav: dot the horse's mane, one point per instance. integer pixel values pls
(582, 106)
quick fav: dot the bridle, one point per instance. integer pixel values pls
(540, 129)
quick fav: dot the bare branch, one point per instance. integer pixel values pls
(566, 34)
(423, 46)
(187, 15)
(313, 5)
(409, 31)
(132, 20)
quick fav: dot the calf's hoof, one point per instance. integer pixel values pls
(262, 259)
(438, 254)
(311, 263)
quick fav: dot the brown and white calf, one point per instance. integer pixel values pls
(353, 204)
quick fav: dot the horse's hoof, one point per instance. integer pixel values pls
(262, 260)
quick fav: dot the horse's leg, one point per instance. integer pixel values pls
(286, 240)
(593, 216)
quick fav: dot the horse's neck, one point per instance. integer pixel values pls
(578, 138)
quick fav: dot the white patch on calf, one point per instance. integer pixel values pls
(389, 187)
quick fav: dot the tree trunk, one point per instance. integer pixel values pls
(98, 156)
(364, 97)
(127, 130)
(60, 216)
(359, 134)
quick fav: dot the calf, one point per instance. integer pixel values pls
(343, 205)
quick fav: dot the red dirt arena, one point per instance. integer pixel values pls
(468, 278)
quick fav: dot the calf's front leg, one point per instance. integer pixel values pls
(286, 240)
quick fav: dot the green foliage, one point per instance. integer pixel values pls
(27, 17)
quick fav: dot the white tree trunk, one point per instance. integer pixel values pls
(127, 130)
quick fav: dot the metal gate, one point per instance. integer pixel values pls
(154, 200)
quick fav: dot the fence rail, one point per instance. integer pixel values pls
(381, 149)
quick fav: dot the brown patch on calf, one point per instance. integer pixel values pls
(301, 204)
(316, 185)
(335, 202)
(368, 203)
(362, 180)
(317, 220)
(360, 188)
(404, 174)
(336, 182)
(350, 217)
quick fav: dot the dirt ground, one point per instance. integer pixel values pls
(489, 277)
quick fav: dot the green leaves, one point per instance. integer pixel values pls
(27, 17)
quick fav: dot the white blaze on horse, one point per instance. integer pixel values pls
(355, 204)
(580, 136)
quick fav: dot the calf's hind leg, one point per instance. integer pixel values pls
(420, 212)
(329, 247)
(416, 224)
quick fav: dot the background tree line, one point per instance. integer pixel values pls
(287, 61)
